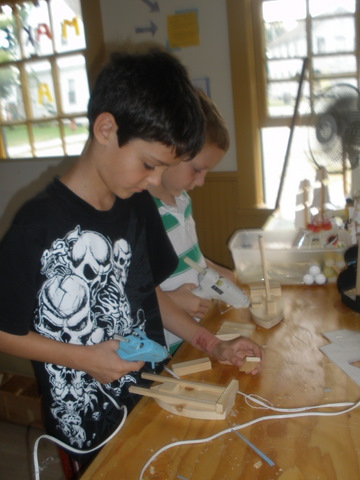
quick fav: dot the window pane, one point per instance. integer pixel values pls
(328, 7)
(278, 10)
(73, 84)
(41, 87)
(333, 35)
(16, 140)
(9, 43)
(281, 97)
(47, 139)
(322, 85)
(334, 64)
(68, 26)
(12, 105)
(76, 133)
(283, 69)
(285, 40)
(36, 33)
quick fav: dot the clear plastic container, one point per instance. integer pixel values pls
(288, 253)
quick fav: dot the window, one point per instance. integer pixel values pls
(43, 79)
(324, 33)
(71, 91)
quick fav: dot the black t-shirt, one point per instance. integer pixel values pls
(79, 275)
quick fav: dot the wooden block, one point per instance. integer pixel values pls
(272, 307)
(192, 366)
(231, 327)
(230, 330)
(249, 364)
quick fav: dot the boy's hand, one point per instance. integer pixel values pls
(234, 352)
(192, 304)
(105, 365)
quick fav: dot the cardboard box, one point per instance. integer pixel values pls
(20, 401)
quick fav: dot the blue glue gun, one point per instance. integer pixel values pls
(138, 347)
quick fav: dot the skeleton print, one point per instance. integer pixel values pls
(83, 302)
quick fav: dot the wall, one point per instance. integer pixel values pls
(125, 20)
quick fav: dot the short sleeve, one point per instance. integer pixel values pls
(19, 271)
(162, 256)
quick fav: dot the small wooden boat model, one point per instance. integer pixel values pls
(266, 307)
(190, 399)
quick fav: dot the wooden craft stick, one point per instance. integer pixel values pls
(194, 265)
(265, 273)
(192, 366)
(184, 383)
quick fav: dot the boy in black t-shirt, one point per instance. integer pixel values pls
(82, 260)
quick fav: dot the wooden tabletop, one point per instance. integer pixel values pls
(295, 373)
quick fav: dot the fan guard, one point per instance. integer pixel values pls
(334, 137)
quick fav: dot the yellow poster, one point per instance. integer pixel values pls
(183, 30)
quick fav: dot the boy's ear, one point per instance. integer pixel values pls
(104, 127)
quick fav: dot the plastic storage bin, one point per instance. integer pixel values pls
(286, 262)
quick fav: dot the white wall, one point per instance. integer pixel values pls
(20, 180)
(209, 59)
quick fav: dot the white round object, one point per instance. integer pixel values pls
(320, 279)
(329, 262)
(308, 279)
(314, 270)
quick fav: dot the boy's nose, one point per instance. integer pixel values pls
(155, 178)
(200, 179)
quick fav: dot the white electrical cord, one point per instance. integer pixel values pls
(266, 405)
(294, 413)
(72, 449)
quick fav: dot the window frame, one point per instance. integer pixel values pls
(265, 120)
(93, 54)
(249, 95)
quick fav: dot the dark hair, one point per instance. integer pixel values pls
(216, 131)
(151, 98)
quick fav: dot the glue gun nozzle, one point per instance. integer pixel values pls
(121, 338)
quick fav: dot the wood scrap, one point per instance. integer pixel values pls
(249, 364)
(191, 366)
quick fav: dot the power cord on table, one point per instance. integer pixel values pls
(291, 413)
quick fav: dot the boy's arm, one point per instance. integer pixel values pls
(192, 304)
(177, 321)
(100, 361)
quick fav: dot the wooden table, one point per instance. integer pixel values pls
(295, 373)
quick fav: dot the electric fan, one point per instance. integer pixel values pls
(334, 137)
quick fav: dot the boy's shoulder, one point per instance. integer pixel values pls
(36, 207)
